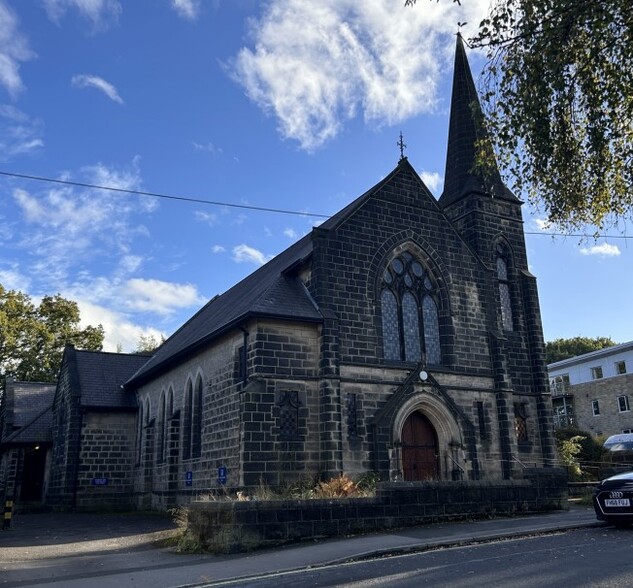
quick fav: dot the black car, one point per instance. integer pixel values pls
(613, 499)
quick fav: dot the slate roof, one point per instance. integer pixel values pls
(38, 430)
(28, 413)
(465, 130)
(101, 376)
(271, 291)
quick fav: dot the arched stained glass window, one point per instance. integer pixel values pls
(504, 290)
(411, 324)
(390, 325)
(410, 329)
(431, 331)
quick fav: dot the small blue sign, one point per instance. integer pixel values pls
(188, 478)
(222, 474)
(99, 481)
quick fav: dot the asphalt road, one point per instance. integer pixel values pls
(112, 551)
(594, 557)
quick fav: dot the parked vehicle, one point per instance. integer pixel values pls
(613, 500)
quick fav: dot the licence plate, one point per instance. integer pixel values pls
(617, 502)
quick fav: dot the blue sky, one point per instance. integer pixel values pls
(283, 104)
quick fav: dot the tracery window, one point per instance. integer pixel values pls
(410, 317)
(504, 288)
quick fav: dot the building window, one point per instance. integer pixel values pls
(559, 384)
(186, 421)
(520, 424)
(505, 297)
(410, 316)
(160, 440)
(196, 420)
(596, 372)
(595, 407)
(620, 367)
(623, 403)
(169, 406)
(140, 422)
(289, 416)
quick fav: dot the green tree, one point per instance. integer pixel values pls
(558, 101)
(32, 337)
(560, 349)
(148, 343)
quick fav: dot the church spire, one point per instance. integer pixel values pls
(465, 130)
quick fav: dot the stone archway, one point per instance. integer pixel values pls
(419, 449)
(436, 433)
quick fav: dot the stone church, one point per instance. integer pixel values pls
(402, 336)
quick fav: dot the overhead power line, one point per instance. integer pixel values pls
(246, 206)
(159, 195)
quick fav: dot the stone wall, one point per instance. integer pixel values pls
(241, 526)
(106, 462)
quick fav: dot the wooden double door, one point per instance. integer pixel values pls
(420, 457)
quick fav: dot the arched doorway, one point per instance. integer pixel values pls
(419, 449)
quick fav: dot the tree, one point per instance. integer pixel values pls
(148, 343)
(32, 338)
(560, 349)
(559, 107)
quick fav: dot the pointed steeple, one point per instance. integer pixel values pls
(465, 130)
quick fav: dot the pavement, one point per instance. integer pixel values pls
(115, 550)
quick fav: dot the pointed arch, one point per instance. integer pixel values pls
(410, 299)
(160, 429)
(504, 270)
(187, 420)
(196, 418)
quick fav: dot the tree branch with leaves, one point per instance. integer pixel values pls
(557, 91)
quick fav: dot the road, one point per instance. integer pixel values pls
(595, 557)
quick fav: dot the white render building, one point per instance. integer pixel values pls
(594, 391)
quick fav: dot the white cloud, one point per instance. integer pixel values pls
(65, 226)
(101, 13)
(290, 233)
(432, 180)
(157, 296)
(604, 250)
(120, 330)
(206, 217)
(14, 49)
(188, 9)
(88, 81)
(208, 147)
(12, 279)
(315, 65)
(19, 134)
(245, 254)
(218, 249)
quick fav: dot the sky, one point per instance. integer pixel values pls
(233, 106)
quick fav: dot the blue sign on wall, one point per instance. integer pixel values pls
(188, 478)
(222, 474)
(99, 481)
